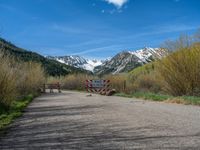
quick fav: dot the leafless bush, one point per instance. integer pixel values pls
(120, 83)
(148, 83)
(8, 89)
(18, 78)
(75, 81)
(30, 77)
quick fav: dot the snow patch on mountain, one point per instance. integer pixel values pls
(145, 53)
(91, 64)
(78, 62)
(122, 62)
(127, 60)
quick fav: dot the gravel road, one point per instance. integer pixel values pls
(73, 120)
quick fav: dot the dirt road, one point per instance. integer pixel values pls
(72, 120)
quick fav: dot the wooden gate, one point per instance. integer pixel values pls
(51, 87)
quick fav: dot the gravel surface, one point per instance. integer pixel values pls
(74, 120)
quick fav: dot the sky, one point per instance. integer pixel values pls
(95, 28)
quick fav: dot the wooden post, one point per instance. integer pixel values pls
(59, 90)
(44, 88)
(51, 89)
(124, 85)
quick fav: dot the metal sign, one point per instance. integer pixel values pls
(97, 86)
(96, 83)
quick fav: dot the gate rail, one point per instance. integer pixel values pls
(51, 87)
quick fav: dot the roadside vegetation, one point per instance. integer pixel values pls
(72, 81)
(20, 82)
(175, 78)
(187, 100)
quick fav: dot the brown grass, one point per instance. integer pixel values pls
(8, 79)
(177, 100)
(18, 79)
(76, 81)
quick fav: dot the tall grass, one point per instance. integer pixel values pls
(18, 79)
(117, 81)
(8, 89)
(72, 81)
(146, 78)
(120, 83)
(30, 78)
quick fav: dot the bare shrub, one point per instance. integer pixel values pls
(184, 41)
(120, 83)
(18, 79)
(7, 81)
(75, 81)
(148, 83)
(30, 78)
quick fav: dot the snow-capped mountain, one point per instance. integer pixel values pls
(128, 60)
(147, 54)
(122, 62)
(78, 61)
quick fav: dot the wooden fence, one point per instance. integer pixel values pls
(51, 87)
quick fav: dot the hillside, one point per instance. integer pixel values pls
(128, 60)
(52, 67)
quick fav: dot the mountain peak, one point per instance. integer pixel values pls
(78, 61)
(129, 59)
(124, 61)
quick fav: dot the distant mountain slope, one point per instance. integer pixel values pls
(128, 60)
(77, 61)
(52, 67)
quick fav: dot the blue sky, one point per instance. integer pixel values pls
(95, 28)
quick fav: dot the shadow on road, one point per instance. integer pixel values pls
(71, 127)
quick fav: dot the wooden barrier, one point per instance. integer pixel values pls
(51, 87)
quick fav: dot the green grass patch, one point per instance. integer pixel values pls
(193, 100)
(146, 96)
(189, 100)
(15, 110)
(151, 96)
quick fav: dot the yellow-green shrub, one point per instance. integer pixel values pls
(142, 70)
(146, 78)
(181, 71)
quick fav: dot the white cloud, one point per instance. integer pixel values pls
(68, 29)
(117, 3)
(99, 49)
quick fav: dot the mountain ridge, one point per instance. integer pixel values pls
(123, 61)
(51, 67)
(127, 60)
